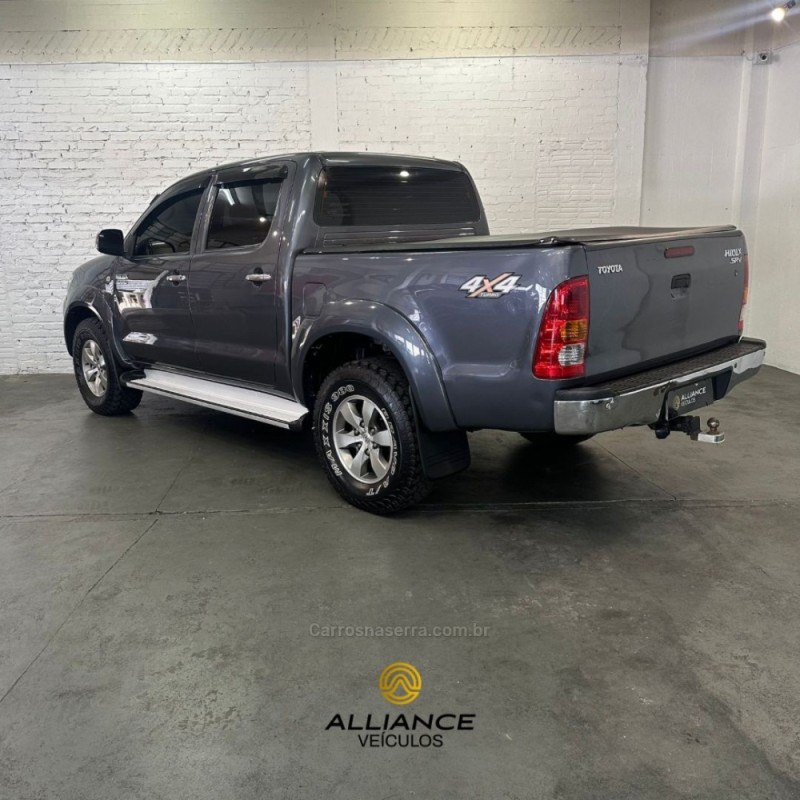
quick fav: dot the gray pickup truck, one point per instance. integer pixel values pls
(363, 294)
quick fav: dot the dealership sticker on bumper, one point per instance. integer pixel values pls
(690, 397)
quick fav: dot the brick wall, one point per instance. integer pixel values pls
(86, 146)
(539, 135)
(312, 30)
(83, 147)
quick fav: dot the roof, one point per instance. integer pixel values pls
(335, 158)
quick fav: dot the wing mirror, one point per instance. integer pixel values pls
(111, 242)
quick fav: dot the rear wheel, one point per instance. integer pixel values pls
(365, 436)
(97, 373)
(554, 439)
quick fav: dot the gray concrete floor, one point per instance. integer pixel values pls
(159, 575)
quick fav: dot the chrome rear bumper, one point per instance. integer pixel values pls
(639, 399)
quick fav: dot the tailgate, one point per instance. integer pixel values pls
(659, 298)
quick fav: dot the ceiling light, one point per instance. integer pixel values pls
(779, 12)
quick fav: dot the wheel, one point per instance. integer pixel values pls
(554, 439)
(365, 436)
(97, 372)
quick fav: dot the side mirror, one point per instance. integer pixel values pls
(111, 242)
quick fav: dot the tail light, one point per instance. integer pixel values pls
(745, 292)
(564, 331)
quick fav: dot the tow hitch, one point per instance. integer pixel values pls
(691, 427)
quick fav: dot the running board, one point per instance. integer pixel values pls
(247, 403)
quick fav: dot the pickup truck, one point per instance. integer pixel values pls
(361, 296)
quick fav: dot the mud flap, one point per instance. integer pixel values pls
(444, 453)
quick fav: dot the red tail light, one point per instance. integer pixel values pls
(745, 292)
(561, 345)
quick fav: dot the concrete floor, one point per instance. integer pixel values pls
(159, 575)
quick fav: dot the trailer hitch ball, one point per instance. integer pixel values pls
(712, 436)
(690, 425)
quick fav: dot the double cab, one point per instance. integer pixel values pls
(362, 295)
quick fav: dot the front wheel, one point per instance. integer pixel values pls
(365, 436)
(97, 374)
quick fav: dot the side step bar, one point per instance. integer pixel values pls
(248, 403)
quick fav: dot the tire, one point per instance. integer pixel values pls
(554, 440)
(92, 356)
(379, 470)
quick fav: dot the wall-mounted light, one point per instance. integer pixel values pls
(779, 12)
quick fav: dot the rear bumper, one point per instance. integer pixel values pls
(639, 399)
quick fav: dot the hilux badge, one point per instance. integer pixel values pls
(734, 255)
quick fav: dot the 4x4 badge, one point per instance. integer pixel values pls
(481, 286)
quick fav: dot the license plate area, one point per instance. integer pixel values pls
(689, 397)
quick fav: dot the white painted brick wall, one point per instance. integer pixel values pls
(539, 135)
(86, 146)
(83, 147)
(56, 31)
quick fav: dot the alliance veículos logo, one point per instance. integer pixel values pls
(400, 684)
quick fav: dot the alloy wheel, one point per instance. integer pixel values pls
(93, 365)
(363, 441)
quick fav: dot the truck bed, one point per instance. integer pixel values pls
(656, 296)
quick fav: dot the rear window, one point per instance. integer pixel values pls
(390, 196)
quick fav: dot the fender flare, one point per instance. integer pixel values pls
(69, 312)
(92, 300)
(391, 329)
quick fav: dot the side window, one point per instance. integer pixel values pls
(242, 213)
(168, 229)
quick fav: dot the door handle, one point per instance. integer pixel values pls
(258, 277)
(176, 277)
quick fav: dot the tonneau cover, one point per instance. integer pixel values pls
(582, 236)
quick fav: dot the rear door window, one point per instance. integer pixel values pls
(390, 196)
(242, 214)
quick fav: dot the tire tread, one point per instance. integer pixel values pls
(416, 486)
(119, 399)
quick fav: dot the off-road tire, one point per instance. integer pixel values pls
(555, 440)
(383, 382)
(117, 398)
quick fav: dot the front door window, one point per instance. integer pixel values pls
(168, 228)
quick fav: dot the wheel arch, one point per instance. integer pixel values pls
(366, 328)
(92, 305)
(76, 314)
